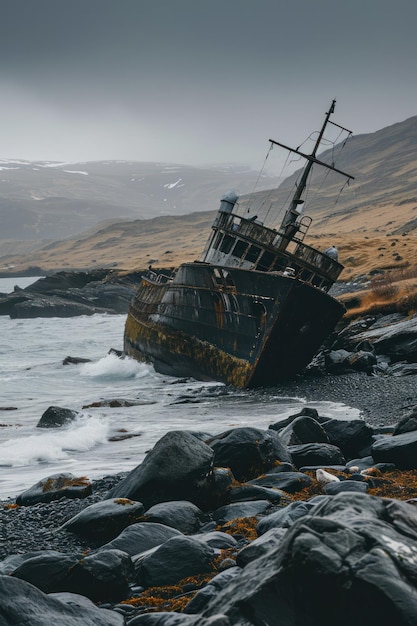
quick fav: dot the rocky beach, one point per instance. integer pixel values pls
(243, 527)
(247, 526)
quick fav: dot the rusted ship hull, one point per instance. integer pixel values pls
(254, 309)
(242, 327)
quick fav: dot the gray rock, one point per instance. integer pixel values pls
(56, 416)
(48, 571)
(241, 509)
(12, 562)
(98, 576)
(284, 518)
(397, 340)
(398, 449)
(106, 519)
(260, 546)
(316, 454)
(351, 436)
(306, 411)
(407, 423)
(180, 514)
(248, 451)
(177, 558)
(345, 485)
(287, 481)
(55, 487)
(246, 493)
(336, 361)
(350, 561)
(173, 470)
(217, 539)
(403, 368)
(138, 538)
(22, 603)
(101, 576)
(303, 429)
(212, 588)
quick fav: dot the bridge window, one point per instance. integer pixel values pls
(227, 244)
(217, 240)
(252, 254)
(265, 261)
(306, 275)
(240, 248)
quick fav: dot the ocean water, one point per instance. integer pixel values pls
(104, 440)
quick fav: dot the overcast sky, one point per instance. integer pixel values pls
(197, 81)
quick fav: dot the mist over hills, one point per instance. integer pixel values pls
(381, 202)
(50, 201)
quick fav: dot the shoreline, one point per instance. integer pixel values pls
(382, 400)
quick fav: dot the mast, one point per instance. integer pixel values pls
(288, 225)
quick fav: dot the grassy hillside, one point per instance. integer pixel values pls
(373, 223)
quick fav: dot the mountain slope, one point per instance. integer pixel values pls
(44, 201)
(365, 222)
(383, 196)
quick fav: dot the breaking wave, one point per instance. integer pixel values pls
(113, 367)
(48, 447)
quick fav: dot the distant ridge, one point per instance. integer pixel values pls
(50, 200)
(381, 202)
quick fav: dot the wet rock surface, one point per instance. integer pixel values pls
(249, 561)
(68, 294)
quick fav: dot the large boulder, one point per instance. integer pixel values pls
(284, 518)
(407, 423)
(202, 597)
(48, 570)
(141, 537)
(397, 340)
(22, 603)
(174, 469)
(398, 449)
(56, 416)
(260, 546)
(303, 429)
(352, 560)
(71, 293)
(340, 361)
(99, 576)
(177, 558)
(305, 411)
(351, 436)
(180, 514)
(334, 488)
(55, 487)
(105, 520)
(248, 451)
(323, 454)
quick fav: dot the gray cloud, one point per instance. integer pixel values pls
(195, 81)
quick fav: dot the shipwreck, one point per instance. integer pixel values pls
(253, 310)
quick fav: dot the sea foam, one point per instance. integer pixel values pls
(113, 367)
(48, 447)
